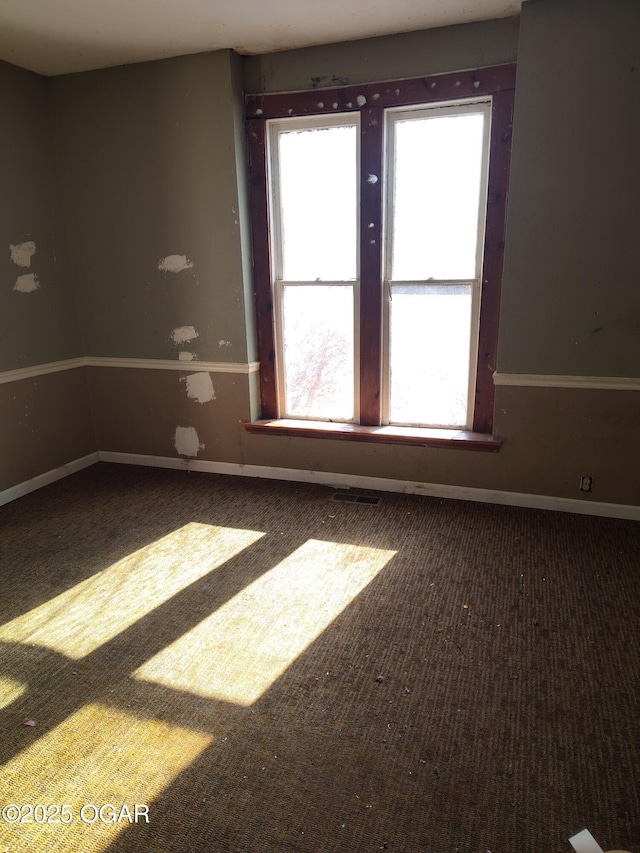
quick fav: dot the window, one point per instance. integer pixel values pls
(378, 221)
(313, 169)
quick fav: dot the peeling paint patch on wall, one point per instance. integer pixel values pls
(223, 343)
(27, 283)
(183, 333)
(22, 253)
(174, 263)
(186, 356)
(200, 387)
(186, 441)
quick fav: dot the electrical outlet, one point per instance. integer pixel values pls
(586, 483)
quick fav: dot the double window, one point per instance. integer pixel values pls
(378, 221)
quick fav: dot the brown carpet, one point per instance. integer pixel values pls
(270, 670)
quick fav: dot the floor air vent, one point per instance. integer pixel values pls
(351, 498)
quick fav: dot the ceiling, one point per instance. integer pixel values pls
(61, 36)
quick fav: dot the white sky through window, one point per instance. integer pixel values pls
(318, 198)
(437, 170)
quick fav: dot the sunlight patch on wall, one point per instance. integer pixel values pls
(94, 611)
(95, 757)
(10, 690)
(240, 650)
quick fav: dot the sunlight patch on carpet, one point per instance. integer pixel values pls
(97, 757)
(240, 650)
(94, 611)
(10, 690)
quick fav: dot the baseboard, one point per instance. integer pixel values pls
(381, 484)
(327, 478)
(41, 480)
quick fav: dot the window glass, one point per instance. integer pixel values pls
(436, 195)
(430, 332)
(318, 351)
(318, 203)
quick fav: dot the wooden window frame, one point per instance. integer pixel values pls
(370, 100)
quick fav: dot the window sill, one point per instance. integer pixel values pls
(415, 436)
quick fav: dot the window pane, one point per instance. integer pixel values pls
(438, 168)
(318, 351)
(430, 344)
(318, 203)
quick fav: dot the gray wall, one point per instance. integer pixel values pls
(147, 158)
(45, 421)
(151, 163)
(38, 325)
(387, 58)
(571, 299)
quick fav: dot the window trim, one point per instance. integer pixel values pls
(371, 100)
(389, 434)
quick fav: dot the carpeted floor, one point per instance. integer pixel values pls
(259, 667)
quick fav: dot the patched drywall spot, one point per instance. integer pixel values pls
(27, 283)
(200, 387)
(186, 356)
(175, 263)
(223, 343)
(186, 441)
(183, 333)
(22, 253)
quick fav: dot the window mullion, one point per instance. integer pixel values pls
(371, 189)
